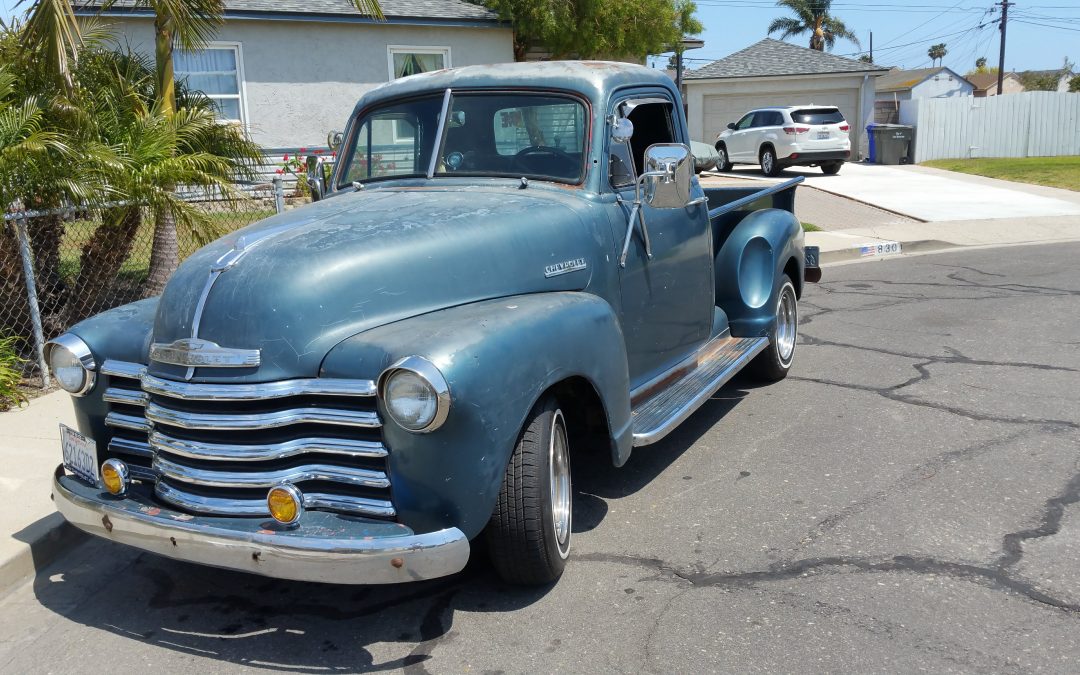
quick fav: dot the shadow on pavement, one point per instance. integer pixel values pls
(243, 619)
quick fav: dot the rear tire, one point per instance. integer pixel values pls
(722, 164)
(832, 168)
(769, 165)
(774, 363)
(528, 535)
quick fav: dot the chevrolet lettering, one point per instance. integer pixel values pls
(364, 389)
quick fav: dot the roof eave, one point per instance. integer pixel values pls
(138, 13)
(877, 72)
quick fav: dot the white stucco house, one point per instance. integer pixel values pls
(290, 71)
(776, 73)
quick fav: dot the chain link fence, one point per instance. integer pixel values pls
(60, 266)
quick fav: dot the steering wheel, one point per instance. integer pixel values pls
(538, 159)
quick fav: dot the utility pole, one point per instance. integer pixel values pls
(1005, 4)
(871, 46)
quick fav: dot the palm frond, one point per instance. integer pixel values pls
(370, 7)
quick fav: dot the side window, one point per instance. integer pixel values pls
(620, 166)
(762, 119)
(776, 119)
(745, 122)
(652, 124)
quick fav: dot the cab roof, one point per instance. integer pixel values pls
(593, 79)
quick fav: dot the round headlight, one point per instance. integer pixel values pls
(416, 394)
(71, 364)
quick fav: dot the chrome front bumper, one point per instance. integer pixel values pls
(326, 548)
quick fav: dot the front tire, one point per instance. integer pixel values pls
(723, 164)
(769, 165)
(774, 363)
(528, 535)
(831, 169)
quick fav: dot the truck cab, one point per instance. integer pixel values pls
(509, 265)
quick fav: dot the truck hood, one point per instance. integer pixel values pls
(302, 281)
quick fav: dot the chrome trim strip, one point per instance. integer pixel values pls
(242, 421)
(189, 391)
(121, 421)
(122, 369)
(681, 365)
(142, 473)
(267, 479)
(440, 131)
(196, 353)
(125, 396)
(301, 554)
(251, 453)
(127, 446)
(257, 507)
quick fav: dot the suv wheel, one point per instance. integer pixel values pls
(722, 164)
(769, 166)
(832, 168)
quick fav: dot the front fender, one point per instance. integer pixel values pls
(498, 357)
(753, 256)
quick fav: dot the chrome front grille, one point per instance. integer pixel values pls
(218, 448)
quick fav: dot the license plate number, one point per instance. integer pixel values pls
(823, 134)
(80, 454)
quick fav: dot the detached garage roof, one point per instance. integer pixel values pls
(904, 80)
(772, 58)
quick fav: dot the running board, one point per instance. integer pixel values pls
(656, 412)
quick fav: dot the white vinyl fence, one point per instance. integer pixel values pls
(1031, 124)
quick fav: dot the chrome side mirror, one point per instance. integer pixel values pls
(668, 167)
(315, 177)
(334, 139)
(622, 130)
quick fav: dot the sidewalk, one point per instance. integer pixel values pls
(870, 242)
(32, 533)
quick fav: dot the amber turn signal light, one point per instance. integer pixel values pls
(114, 476)
(286, 504)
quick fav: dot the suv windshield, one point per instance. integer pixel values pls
(817, 116)
(489, 134)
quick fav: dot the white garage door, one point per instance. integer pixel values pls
(723, 108)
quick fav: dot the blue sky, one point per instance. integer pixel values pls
(1041, 33)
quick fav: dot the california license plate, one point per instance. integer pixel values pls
(823, 134)
(80, 454)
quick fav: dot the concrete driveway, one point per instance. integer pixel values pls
(934, 195)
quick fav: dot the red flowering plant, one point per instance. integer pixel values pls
(296, 165)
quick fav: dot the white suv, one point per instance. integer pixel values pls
(776, 138)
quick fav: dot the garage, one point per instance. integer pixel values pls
(775, 73)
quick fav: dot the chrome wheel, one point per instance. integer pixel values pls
(722, 161)
(787, 324)
(767, 162)
(559, 479)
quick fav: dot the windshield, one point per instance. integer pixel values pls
(489, 134)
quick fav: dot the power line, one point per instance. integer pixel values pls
(1046, 25)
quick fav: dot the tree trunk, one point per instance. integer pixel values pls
(165, 256)
(46, 236)
(14, 307)
(163, 60)
(102, 258)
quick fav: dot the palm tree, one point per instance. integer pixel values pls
(937, 53)
(814, 17)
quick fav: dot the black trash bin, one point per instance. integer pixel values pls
(893, 143)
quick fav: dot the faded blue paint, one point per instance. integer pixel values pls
(453, 269)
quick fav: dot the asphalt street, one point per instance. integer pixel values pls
(907, 499)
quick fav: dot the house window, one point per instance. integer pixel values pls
(405, 61)
(217, 71)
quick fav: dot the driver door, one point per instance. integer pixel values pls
(666, 300)
(739, 143)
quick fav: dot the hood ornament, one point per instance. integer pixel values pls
(196, 353)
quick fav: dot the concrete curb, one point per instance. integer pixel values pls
(39, 544)
(856, 252)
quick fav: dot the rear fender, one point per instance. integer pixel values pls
(498, 358)
(752, 257)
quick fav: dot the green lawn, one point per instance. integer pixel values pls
(810, 227)
(1059, 172)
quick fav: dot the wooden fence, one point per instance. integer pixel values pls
(1031, 124)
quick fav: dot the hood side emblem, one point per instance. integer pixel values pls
(196, 353)
(565, 267)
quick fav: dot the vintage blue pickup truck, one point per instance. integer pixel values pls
(509, 265)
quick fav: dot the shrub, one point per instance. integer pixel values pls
(10, 374)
